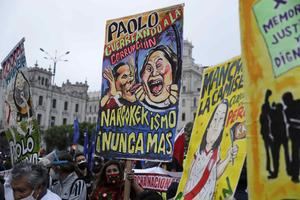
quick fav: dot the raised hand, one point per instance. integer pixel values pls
(173, 91)
(140, 93)
(108, 75)
(232, 152)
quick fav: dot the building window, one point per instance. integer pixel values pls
(184, 89)
(195, 102)
(198, 89)
(52, 121)
(90, 109)
(183, 102)
(76, 107)
(43, 80)
(64, 121)
(39, 78)
(66, 105)
(53, 103)
(46, 82)
(39, 119)
(90, 119)
(40, 100)
(183, 117)
(95, 109)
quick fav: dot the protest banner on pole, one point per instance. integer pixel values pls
(20, 127)
(217, 147)
(140, 86)
(271, 56)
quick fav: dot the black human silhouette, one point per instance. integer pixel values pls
(265, 128)
(279, 137)
(292, 112)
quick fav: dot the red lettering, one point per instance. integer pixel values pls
(236, 114)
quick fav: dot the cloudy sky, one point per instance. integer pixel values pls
(78, 26)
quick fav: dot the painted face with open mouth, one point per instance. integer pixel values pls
(157, 77)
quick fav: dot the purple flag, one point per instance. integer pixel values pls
(76, 134)
(86, 143)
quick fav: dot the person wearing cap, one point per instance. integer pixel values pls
(68, 185)
(29, 181)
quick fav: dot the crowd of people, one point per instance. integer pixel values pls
(68, 177)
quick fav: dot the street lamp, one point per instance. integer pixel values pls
(55, 59)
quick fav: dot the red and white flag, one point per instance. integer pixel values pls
(179, 146)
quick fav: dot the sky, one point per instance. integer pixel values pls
(79, 27)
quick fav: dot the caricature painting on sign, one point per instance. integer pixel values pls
(207, 166)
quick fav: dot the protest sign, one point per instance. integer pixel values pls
(217, 147)
(20, 128)
(271, 56)
(140, 89)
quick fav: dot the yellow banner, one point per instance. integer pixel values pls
(270, 32)
(217, 146)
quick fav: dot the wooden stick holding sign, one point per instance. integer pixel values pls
(128, 169)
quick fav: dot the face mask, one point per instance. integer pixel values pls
(113, 178)
(82, 165)
(53, 174)
(30, 197)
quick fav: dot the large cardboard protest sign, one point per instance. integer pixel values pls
(217, 146)
(270, 32)
(20, 128)
(140, 86)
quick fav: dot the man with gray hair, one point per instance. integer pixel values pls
(29, 181)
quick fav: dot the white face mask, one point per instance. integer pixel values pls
(30, 197)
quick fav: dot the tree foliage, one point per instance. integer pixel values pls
(61, 137)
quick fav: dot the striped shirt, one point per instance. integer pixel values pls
(71, 188)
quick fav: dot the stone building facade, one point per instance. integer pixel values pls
(1, 102)
(190, 87)
(92, 107)
(53, 105)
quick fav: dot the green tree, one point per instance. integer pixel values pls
(61, 137)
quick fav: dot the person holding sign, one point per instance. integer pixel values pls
(207, 166)
(121, 81)
(110, 183)
(158, 76)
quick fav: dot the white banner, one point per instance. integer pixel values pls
(156, 178)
